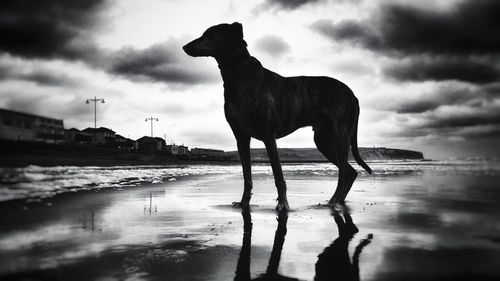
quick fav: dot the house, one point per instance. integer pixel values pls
(101, 135)
(16, 125)
(151, 145)
(177, 149)
(74, 135)
(122, 142)
(183, 150)
(172, 149)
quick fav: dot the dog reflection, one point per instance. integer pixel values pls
(243, 267)
(333, 263)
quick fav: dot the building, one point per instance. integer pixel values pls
(101, 135)
(149, 145)
(177, 149)
(74, 135)
(172, 149)
(29, 127)
(183, 150)
(122, 142)
(207, 153)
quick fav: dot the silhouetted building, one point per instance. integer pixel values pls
(150, 145)
(172, 149)
(29, 127)
(102, 135)
(122, 142)
(183, 150)
(74, 135)
(177, 149)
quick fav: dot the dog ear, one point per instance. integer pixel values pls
(238, 28)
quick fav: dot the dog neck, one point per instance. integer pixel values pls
(234, 58)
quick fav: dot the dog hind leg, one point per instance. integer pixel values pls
(335, 147)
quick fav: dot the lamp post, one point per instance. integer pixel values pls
(95, 100)
(152, 119)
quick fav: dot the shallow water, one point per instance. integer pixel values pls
(35, 182)
(416, 221)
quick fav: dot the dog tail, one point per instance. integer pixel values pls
(354, 143)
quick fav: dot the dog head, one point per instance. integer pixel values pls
(217, 41)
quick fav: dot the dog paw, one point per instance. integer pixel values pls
(282, 206)
(241, 204)
(336, 202)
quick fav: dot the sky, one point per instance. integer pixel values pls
(426, 73)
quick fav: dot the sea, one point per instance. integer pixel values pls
(34, 183)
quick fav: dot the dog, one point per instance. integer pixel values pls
(264, 105)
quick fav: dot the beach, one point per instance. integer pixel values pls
(408, 221)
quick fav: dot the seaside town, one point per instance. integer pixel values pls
(29, 128)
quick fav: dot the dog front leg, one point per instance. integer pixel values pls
(279, 180)
(243, 142)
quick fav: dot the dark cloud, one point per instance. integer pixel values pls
(448, 110)
(288, 4)
(348, 30)
(49, 28)
(272, 45)
(61, 29)
(469, 28)
(164, 62)
(38, 75)
(424, 68)
(462, 43)
(470, 126)
(493, 89)
(479, 118)
(417, 107)
(438, 96)
(467, 122)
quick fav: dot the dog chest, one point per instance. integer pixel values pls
(255, 118)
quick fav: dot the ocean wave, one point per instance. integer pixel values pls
(35, 182)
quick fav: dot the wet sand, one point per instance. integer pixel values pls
(423, 225)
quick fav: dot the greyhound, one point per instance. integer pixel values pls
(264, 105)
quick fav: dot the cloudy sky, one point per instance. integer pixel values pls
(427, 74)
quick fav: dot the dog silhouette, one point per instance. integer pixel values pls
(264, 105)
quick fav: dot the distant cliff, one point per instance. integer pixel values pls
(313, 155)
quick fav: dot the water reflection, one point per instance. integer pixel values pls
(333, 263)
(243, 267)
(150, 210)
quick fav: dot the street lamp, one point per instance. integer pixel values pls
(95, 100)
(152, 119)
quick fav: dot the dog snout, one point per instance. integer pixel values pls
(197, 48)
(188, 48)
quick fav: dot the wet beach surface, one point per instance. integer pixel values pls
(422, 223)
